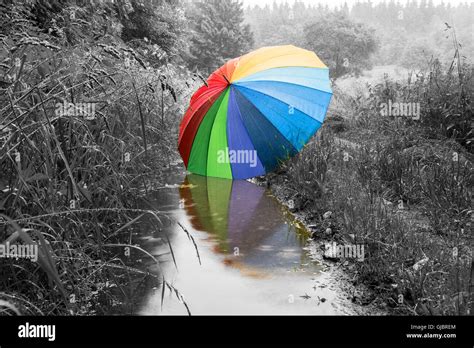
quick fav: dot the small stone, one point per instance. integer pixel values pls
(328, 231)
(327, 215)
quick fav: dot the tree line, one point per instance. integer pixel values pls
(409, 34)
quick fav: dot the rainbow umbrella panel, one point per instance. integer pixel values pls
(255, 112)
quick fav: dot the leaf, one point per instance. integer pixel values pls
(134, 247)
(85, 192)
(125, 226)
(37, 177)
(10, 307)
(172, 252)
(163, 288)
(45, 252)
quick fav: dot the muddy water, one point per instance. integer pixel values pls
(252, 255)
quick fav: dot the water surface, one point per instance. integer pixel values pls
(252, 254)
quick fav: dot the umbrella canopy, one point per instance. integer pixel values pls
(254, 112)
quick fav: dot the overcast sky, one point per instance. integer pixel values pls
(333, 3)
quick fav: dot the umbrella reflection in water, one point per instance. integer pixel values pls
(246, 223)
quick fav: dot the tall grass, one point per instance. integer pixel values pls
(402, 187)
(71, 183)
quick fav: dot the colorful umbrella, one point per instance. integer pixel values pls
(254, 112)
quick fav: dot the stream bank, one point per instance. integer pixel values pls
(320, 244)
(354, 185)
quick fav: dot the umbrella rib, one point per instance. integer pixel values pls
(225, 77)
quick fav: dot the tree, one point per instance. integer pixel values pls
(218, 33)
(343, 45)
(159, 22)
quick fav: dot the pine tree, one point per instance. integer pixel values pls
(219, 33)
